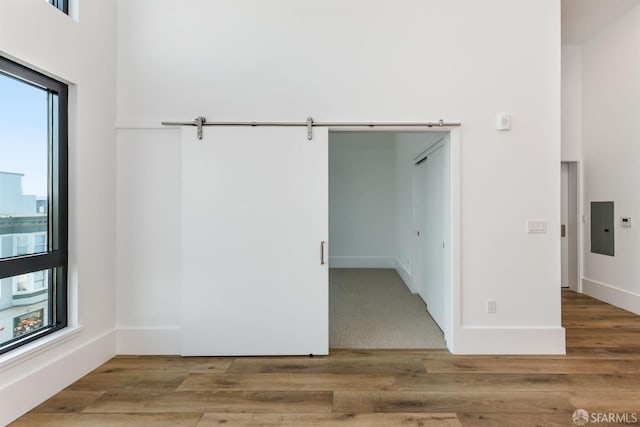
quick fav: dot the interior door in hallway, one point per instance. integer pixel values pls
(420, 213)
(430, 215)
(435, 235)
(254, 214)
(564, 219)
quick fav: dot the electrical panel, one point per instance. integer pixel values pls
(602, 228)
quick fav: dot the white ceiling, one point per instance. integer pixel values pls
(583, 18)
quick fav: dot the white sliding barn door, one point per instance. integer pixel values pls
(254, 214)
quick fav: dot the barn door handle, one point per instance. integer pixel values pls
(563, 230)
(322, 251)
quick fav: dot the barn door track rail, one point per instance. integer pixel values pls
(200, 122)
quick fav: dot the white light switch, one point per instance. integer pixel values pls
(503, 121)
(535, 226)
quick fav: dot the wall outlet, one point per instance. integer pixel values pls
(491, 306)
(503, 121)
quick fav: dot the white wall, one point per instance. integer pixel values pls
(362, 216)
(391, 60)
(611, 149)
(85, 57)
(148, 224)
(571, 102)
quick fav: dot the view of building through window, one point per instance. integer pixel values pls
(24, 171)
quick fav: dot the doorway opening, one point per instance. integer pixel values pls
(570, 226)
(390, 239)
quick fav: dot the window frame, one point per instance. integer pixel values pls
(55, 259)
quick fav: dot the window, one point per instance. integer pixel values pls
(63, 5)
(33, 205)
(39, 280)
(39, 243)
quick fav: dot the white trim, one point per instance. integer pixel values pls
(619, 297)
(46, 378)
(362, 262)
(35, 348)
(580, 213)
(516, 340)
(404, 274)
(454, 332)
(149, 341)
(581, 224)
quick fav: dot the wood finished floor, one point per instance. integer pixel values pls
(600, 373)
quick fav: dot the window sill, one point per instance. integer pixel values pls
(31, 350)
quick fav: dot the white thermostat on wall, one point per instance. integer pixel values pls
(625, 222)
(503, 121)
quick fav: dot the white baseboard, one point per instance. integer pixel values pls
(488, 340)
(149, 341)
(610, 294)
(404, 274)
(47, 377)
(362, 262)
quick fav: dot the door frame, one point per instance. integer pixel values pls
(443, 143)
(454, 329)
(575, 174)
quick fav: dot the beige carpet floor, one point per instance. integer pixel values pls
(372, 308)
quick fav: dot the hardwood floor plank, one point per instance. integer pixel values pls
(633, 335)
(479, 382)
(625, 353)
(103, 381)
(520, 420)
(483, 382)
(68, 401)
(531, 365)
(213, 401)
(604, 320)
(459, 401)
(395, 353)
(620, 401)
(107, 420)
(327, 365)
(287, 381)
(329, 420)
(165, 364)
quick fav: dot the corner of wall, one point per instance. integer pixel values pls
(405, 274)
(57, 373)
